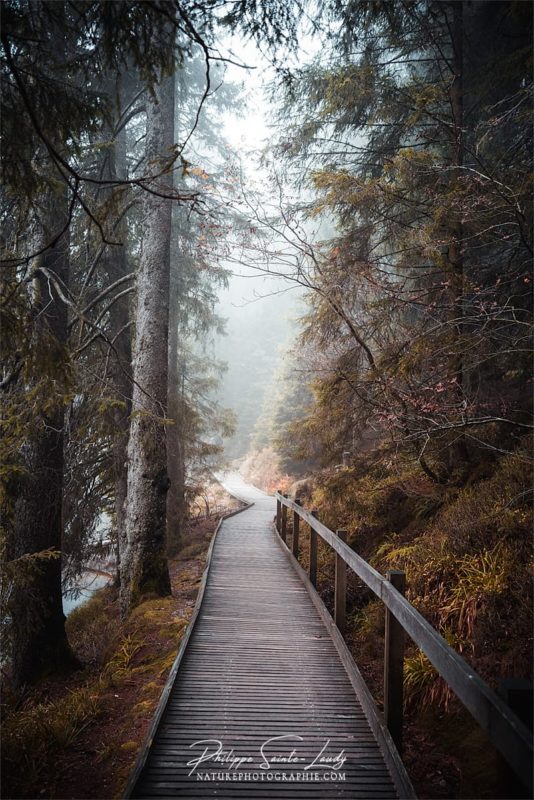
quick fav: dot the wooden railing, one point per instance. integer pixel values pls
(503, 727)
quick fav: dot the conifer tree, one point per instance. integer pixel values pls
(402, 137)
(145, 566)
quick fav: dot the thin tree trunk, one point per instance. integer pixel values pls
(145, 566)
(39, 640)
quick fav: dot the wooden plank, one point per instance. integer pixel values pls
(261, 663)
(283, 529)
(392, 758)
(313, 551)
(394, 666)
(296, 533)
(340, 590)
(141, 759)
(511, 737)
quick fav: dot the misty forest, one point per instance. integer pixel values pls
(271, 245)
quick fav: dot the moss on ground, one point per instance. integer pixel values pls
(467, 554)
(79, 737)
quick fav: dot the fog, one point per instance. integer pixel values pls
(259, 331)
(261, 311)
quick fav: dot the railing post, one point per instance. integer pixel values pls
(283, 532)
(296, 530)
(340, 613)
(394, 665)
(313, 551)
(278, 513)
(517, 694)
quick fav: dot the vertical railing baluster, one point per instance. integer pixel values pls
(394, 665)
(313, 551)
(340, 612)
(518, 695)
(283, 531)
(296, 531)
(278, 513)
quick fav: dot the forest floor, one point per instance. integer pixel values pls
(78, 737)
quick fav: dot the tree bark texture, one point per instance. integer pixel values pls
(116, 266)
(39, 640)
(175, 399)
(145, 564)
(458, 452)
(175, 448)
(176, 511)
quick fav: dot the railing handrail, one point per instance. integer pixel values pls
(507, 732)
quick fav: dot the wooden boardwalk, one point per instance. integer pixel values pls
(261, 664)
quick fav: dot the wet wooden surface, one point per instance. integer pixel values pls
(261, 664)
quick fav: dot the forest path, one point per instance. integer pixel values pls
(260, 664)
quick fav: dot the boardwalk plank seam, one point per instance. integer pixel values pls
(260, 660)
(145, 748)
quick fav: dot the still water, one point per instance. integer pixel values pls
(89, 583)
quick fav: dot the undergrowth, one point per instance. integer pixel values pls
(106, 707)
(467, 554)
(36, 732)
(37, 729)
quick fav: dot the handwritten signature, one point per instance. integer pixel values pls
(269, 754)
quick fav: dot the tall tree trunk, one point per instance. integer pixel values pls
(175, 398)
(122, 384)
(145, 568)
(116, 266)
(175, 447)
(39, 641)
(458, 452)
